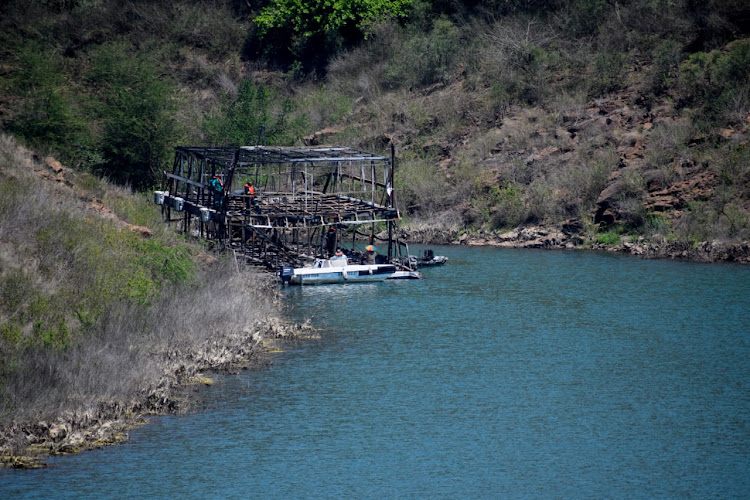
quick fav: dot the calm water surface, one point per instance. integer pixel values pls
(506, 373)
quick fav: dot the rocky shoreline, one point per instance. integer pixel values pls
(568, 237)
(28, 443)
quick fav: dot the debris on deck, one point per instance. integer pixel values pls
(282, 207)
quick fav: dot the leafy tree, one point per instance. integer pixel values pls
(139, 126)
(305, 34)
(46, 118)
(310, 18)
(256, 107)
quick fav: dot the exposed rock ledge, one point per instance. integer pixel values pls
(27, 444)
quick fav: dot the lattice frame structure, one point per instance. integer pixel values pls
(303, 195)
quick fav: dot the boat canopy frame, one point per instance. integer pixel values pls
(300, 194)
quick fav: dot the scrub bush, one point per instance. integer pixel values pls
(425, 58)
(661, 77)
(609, 71)
(506, 206)
(611, 237)
(137, 113)
(715, 81)
(255, 108)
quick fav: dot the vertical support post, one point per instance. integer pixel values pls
(391, 201)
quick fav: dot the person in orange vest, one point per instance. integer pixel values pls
(250, 193)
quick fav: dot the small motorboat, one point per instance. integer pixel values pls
(405, 275)
(427, 259)
(336, 270)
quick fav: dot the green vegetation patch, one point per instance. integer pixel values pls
(611, 237)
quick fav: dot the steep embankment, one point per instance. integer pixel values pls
(105, 321)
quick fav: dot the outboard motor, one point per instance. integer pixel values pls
(286, 273)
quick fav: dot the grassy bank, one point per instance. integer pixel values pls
(104, 311)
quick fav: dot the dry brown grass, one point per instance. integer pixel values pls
(84, 319)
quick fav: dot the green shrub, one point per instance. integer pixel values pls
(420, 186)
(611, 237)
(591, 177)
(324, 106)
(695, 224)
(734, 168)
(135, 208)
(609, 71)
(16, 287)
(542, 201)
(666, 59)
(426, 58)
(10, 334)
(585, 16)
(46, 118)
(506, 206)
(138, 115)
(256, 108)
(632, 212)
(216, 29)
(714, 80)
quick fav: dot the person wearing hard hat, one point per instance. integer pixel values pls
(369, 254)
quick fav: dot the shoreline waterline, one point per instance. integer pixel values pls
(28, 443)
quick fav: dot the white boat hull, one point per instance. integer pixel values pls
(405, 275)
(321, 274)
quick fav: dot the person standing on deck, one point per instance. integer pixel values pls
(218, 187)
(250, 193)
(369, 254)
(331, 240)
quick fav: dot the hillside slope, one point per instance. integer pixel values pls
(618, 172)
(101, 320)
(573, 123)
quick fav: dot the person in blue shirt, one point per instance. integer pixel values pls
(218, 187)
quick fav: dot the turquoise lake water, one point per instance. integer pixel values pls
(504, 374)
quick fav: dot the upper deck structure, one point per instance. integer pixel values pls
(307, 203)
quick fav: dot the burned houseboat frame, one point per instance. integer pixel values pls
(308, 202)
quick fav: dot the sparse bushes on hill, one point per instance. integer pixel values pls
(520, 89)
(424, 59)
